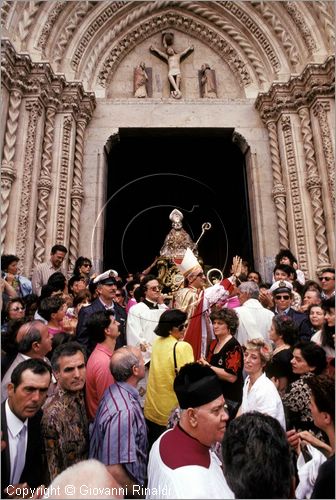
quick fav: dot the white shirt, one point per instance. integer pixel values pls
(254, 321)
(263, 397)
(190, 481)
(141, 321)
(14, 426)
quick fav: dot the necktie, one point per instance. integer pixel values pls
(20, 457)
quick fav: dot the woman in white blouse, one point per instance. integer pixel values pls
(259, 392)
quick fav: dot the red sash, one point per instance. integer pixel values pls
(193, 333)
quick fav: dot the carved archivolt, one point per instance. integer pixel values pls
(6, 6)
(279, 29)
(325, 18)
(159, 23)
(34, 109)
(29, 11)
(51, 20)
(313, 184)
(301, 24)
(96, 24)
(82, 9)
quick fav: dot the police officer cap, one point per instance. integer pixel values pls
(281, 286)
(106, 278)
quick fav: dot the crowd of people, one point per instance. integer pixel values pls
(222, 390)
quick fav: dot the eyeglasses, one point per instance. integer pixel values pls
(326, 278)
(283, 297)
(200, 274)
(87, 265)
(118, 294)
(182, 327)
(16, 309)
(155, 288)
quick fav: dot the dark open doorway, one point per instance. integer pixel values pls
(199, 171)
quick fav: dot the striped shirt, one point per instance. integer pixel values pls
(118, 434)
(41, 274)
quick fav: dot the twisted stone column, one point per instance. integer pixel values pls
(313, 184)
(44, 185)
(278, 191)
(8, 170)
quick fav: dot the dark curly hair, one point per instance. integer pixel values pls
(228, 316)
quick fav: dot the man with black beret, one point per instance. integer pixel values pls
(181, 463)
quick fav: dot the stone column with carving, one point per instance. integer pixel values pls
(295, 191)
(34, 109)
(278, 191)
(320, 110)
(77, 192)
(313, 183)
(63, 180)
(8, 170)
(44, 183)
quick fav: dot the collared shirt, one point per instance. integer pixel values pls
(108, 308)
(118, 434)
(14, 426)
(64, 430)
(98, 377)
(41, 274)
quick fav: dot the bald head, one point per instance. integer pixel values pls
(33, 339)
(124, 361)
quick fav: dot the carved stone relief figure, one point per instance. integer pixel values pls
(173, 60)
(140, 81)
(208, 82)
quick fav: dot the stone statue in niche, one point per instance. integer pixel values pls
(208, 82)
(140, 81)
(173, 59)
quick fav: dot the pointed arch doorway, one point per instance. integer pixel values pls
(199, 171)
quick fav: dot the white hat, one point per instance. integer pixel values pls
(105, 278)
(189, 263)
(281, 286)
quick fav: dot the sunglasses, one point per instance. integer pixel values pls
(87, 265)
(182, 327)
(118, 294)
(16, 309)
(284, 297)
(326, 278)
(155, 288)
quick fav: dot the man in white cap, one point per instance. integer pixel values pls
(197, 300)
(106, 289)
(181, 464)
(282, 296)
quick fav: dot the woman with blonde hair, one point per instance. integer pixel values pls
(259, 392)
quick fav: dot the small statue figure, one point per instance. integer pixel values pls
(177, 240)
(174, 71)
(140, 81)
(208, 82)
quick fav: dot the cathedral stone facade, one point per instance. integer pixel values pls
(68, 87)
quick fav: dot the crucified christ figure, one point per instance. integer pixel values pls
(174, 71)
